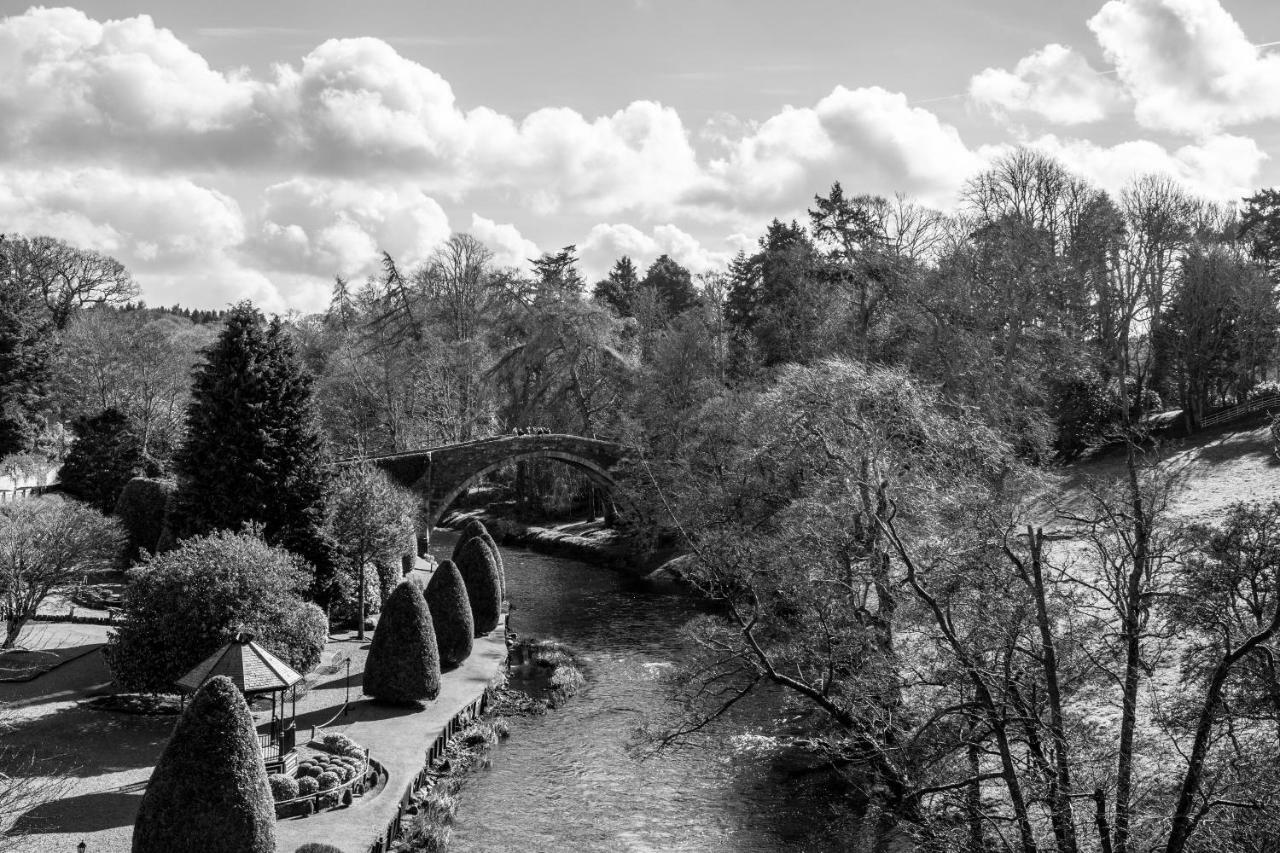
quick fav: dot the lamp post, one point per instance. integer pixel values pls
(346, 706)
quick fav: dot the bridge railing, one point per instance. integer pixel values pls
(1272, 401)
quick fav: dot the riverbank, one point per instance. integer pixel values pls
(586, 541)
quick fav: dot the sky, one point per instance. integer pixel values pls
(249, 149)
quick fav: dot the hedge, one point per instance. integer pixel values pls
(403, 666)
(479, 570)
(141, 508)
(315, 847)
(450, 608)
(209, 791)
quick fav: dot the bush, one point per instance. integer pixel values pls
(209, 791)
(105, 454)
(479, 570)
(308, 768)
(475, 529)
(141, 508)
(308, 785)
(450, 608)
(1266, 388)
(328, 780)
(313, 847)
(403, 664)
(282, 787)
(183, 605)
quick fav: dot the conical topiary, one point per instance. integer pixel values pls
(450, 608)
(404, 663)
(479, 572)
(209, 791)
(475, 529)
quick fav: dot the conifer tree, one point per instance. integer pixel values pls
(209, 791)
(26, 345)
(479, 570)
(253, 451)
(450, 608)
(105, 455)
(403, 666)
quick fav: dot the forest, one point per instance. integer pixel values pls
(856, 435)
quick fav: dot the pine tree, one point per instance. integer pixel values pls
(25, 350)
(450, 608)
(209, 792)
(403, 666)
(254, 450)
(619, 288)
(673, 284)
(105, 455)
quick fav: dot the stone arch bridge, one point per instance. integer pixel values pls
(440, 475)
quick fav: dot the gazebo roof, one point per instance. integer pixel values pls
(252, 668)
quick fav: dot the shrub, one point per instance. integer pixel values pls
(403, 664)
(105, 454)
(446, 596)
(479, 572)
(282, 787)
(307, 785)
(307, 768)
(475, 529)
(209, 790)
(141, 508)
(313, 847)
(184, 604)
(1266, 388)
(327, 781)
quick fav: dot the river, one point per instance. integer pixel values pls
(571, 781)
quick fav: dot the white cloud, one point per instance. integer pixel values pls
(1055, 83)
(1187, 64)
(605, 243)
(509, 246)
(867, 138)
(1222, 167)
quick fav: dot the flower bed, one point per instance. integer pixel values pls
(327, 779)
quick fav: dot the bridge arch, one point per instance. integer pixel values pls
(593, 471)
(440, 475)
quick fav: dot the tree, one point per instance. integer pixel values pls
(25, 349)
(475, 529)
(446, 596)
(209, 791)
(253, 451)
(371, 519)
(105, 454)
(67, 278)
(479, 570)
(48, 545)
(184, 604)
(557, 273)
(1260, 226)
(618, 290)
(403, 666)
(672, 284)
(141, 508)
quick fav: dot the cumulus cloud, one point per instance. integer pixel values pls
(1187, 64)
(1055, 83)
(1222, 167)
(509, 246)
(605, 243)
(868, 137)
(326, 226)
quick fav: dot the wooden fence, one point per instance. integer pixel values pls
(1242, 409)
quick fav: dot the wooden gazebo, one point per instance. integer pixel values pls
(255, 671)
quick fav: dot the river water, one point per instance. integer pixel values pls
(572, 781)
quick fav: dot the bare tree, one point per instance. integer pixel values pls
(69, 278)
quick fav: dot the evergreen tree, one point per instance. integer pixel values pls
(619, 289)
(673, 285)
(254, 451)
(479, 570)
(403, 666)
(558, 273)
(209, 792)
(104, 456)
(475, 529)
(450, 608)
(25, 350)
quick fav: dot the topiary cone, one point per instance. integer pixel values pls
(209, 791)
(479, 571)
(475, 529)
(450, 608)
(403, 666)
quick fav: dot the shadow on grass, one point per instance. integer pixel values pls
(28, 665)
(81, 742)
(85, 813)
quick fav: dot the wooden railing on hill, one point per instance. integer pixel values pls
(1245, 408)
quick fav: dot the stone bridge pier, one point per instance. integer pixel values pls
(440, 475)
